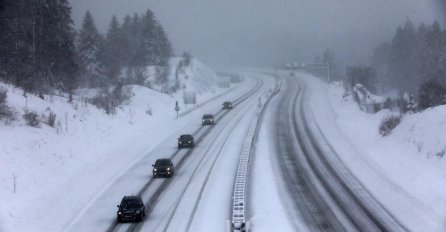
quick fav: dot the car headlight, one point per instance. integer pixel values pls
(138, 212)
(189, 142)
(119, 213)
(155, 170)
(168, 169)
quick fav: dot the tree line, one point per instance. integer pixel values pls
(37, 44)
(413, 62)
(414, 56)
(41, 51)
(129, 47)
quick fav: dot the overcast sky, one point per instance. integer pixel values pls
(269, 32)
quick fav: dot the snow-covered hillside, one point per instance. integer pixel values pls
(50, 172)
(193, 77)
(404, 170)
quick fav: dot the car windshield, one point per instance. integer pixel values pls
(184, 137)
(163, 162)
(207, 116)
(130, 203)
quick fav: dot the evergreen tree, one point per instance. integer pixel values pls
(137, 54)
(403, 59)
(8, 10)
(129, 40)
(155, 47)
(37, 43)
(114, 50)
(148, 37)
(163, 48)
(90, 51)
(155, 41)
(380, 62)
(15, 42)
(431, 52)
(431, 93)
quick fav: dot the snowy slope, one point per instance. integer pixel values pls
(195, 77)
(57, 170)
(404, 170)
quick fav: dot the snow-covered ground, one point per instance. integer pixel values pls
(267, 204)
(49, 174)
(405, 171)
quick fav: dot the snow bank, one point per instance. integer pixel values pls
(405, 171)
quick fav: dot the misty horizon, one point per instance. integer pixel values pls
(256, 33)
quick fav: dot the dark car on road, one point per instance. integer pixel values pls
(131, 209)
(227, 105)
(208, 119)
(163, 167)
(186, 141)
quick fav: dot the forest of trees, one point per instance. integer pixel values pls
(138, 42)
(37, 44)
(413, 63)
(414, 57)
(41, 51)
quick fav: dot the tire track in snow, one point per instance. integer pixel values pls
(153, 199)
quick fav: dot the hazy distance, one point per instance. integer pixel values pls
(267, 32)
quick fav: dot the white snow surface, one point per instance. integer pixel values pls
(196, 77)
(405, 171)
(48, 175)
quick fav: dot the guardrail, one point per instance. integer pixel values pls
(239, 222)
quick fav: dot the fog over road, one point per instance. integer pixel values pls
(265, 32)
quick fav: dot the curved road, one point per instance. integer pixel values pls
(326, 196)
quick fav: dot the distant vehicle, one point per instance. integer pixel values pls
(186, 141)
(208, 119)
(227, 105)
(131, 209)
(163, 167)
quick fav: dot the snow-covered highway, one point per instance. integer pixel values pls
(175, 204)
(296, 181)
(315, 189)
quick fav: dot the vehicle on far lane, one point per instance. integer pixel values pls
(208, 119)
(163, 167)
(227, 105)
(131, 209)
(186, 141)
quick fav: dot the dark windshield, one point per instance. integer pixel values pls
(130, 203)
(164, 162)
(186, 137)
(208, 116)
